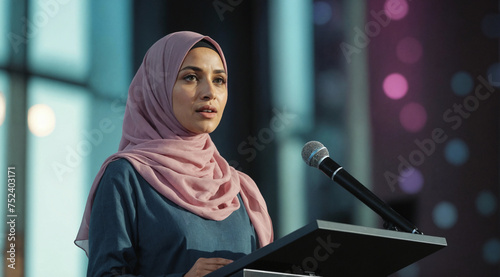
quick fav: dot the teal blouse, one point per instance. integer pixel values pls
(135, 231)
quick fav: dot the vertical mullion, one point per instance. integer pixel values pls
(16, 135)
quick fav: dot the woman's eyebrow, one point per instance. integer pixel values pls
(197, 69)
(194, 68)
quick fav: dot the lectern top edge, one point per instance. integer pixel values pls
(370, 231)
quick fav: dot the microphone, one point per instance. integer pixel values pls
(316, 155)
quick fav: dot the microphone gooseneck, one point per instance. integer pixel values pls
(315, 154)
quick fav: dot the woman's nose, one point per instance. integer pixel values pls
(207, 91)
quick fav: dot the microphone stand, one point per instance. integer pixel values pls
(393, 220)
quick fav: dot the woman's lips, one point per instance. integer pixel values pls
(207, 111)
(208, 115)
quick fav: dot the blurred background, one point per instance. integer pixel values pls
(403, 93)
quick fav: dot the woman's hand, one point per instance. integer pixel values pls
(203, 266)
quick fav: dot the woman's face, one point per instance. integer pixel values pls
(200, 92)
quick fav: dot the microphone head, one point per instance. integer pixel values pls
(313, 153)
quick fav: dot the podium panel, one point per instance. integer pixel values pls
(325, 248)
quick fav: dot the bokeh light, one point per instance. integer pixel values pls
(41, 120)
(462, 83)
(409, 50)
(445, 215)
(322, 12)
(491, 251)
(491, 25)
(395, 86)
(486, 203)
(3, 108)
(396, 9)
(493, 74)
(411, 181)
(413, 117)
(456, 152)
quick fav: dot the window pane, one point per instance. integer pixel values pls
(4, 20)
(58, 178)
(111, 47)
(58, 36)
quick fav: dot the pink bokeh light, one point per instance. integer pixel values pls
(409, 50)
(413, 117)
(395, 86)
(396, 9)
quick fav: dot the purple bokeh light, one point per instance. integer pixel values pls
(396, 9)
(409, 50)
(411, 181)
(413, 117)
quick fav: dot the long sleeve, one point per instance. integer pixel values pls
(113, 226)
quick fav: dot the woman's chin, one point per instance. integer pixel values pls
(203, 129)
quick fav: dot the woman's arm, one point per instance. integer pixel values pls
(113, 225)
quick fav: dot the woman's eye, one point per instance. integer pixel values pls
(220, 81)
(190, 78)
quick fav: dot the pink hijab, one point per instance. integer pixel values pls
(184, 167)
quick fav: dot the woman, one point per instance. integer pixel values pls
(167, 203)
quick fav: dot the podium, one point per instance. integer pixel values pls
(324, 248)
